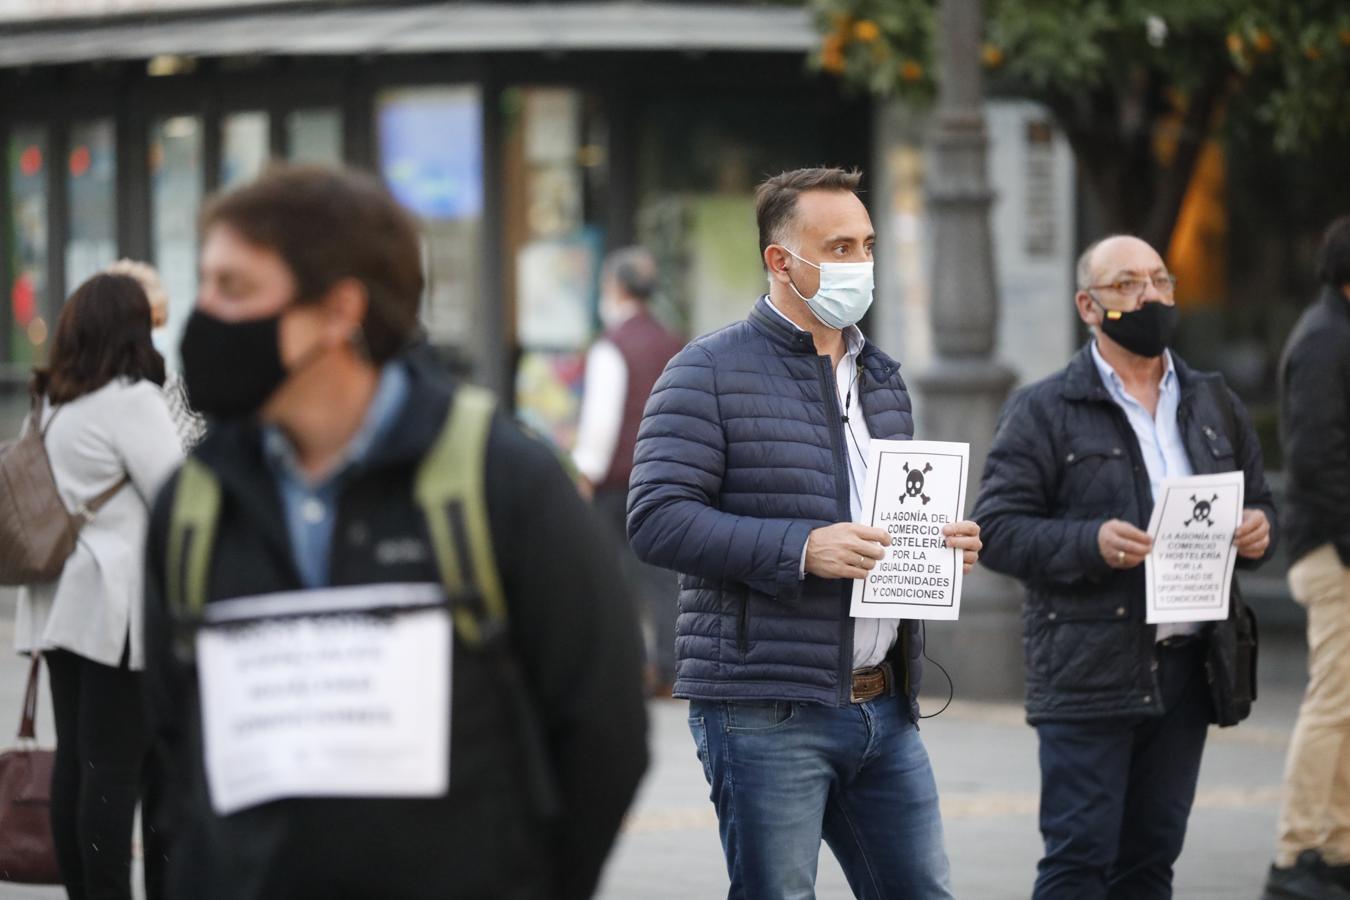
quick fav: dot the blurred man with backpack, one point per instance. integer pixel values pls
(386, 654)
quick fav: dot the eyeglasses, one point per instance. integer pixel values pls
(1134, 287)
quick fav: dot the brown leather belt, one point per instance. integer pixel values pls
(870, 683)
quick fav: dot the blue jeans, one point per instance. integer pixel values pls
(784, 775)
(1116, 794)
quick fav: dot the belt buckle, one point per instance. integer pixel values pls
(883, 670)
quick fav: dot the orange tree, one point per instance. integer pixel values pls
(1137, 87)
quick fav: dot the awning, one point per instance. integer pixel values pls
(421, 28)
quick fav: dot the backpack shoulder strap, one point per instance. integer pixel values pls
(192, 532)
(450, 488)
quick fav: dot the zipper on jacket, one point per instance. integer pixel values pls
(1143, 494)
(743, 627)
(842, 478)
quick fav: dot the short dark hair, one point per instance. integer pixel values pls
(635, 271)
(328, 224)
(103, 333)
(1333, 259)
(776, 198)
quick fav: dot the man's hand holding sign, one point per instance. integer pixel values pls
(850, 550)
(1183, 520)
(1124, 546)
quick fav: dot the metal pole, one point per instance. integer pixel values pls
(965, 387)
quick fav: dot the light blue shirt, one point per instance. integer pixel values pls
(311, 507)
(1159, 437)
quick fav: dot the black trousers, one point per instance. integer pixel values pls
(1116, 794)
(100, 770)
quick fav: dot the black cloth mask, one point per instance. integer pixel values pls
(1145, 332)
(231, 368)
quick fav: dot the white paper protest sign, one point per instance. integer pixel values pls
(914, 488)
(342, 692)
(1189, 571)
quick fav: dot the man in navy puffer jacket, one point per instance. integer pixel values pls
(748, 476)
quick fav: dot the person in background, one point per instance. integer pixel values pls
(108, 432)
(191, 426)
(328, 420)
(1121, 707)
(1312, 853)
(621, 368)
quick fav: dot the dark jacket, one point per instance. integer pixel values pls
(1064, 460)
(740, 455)
(573, 633)
(1315, 427)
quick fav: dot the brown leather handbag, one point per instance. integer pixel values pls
(27, 849)
(37, 532)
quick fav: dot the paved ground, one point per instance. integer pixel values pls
(985, 760)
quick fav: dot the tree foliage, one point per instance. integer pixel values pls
(1137, 86)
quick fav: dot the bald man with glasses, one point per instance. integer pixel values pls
(1121, 707)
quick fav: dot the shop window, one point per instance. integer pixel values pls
(699, 161)
(431, 156)
(314, 136)
(175, 197)
(91, 178)
(29, 304)
(554, 168)
(244, 147)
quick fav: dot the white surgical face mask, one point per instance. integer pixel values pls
(844, 295)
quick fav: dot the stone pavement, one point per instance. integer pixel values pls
(984, 756)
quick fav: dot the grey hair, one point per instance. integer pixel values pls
(634, 270)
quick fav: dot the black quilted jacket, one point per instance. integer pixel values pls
(1064, 460)
(1315, 427)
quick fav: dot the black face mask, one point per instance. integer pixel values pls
(231, 368)
(1145, 332)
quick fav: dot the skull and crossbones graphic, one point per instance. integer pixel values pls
(1201, 511)
(914, 482)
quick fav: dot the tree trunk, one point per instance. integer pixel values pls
(1128, 188)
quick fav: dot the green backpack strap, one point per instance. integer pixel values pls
(192, 534)
(450, 489)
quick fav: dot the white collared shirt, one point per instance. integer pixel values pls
(1159, 438)
(604, 391)
(872, 638)
(605, 387)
